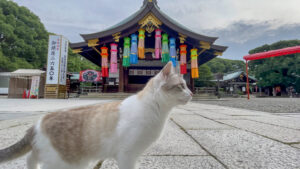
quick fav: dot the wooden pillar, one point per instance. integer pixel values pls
(104, 86)
(126, 79)
(191, 84)
(121, 76)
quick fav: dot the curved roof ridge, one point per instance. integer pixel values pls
(108, 30)
(193, 34)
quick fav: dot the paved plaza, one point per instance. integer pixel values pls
(197, 136)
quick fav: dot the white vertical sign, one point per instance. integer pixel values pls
(63, 61)
(53, 59)
(57, 60)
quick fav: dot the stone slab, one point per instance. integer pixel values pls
(278, 133)
(219, 116)
(30, 120)
(239, 112)
(175, 142)
(196, 122)
(15, 164)
(8, 137)
(283, 121)
(13, 115)
(181, 111)
(146, 162)
(296, 145)
(195, 106)
(11, 135)
(240, 149)
(172, 162)
(31, 105)
(294, 116)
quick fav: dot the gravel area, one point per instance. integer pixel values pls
(272, 105)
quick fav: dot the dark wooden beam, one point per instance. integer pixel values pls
(121, 76)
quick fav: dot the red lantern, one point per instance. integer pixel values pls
(104, 64)
(183, 59)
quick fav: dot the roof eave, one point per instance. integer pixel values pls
(78, 45)
(219, 47)
(139, 15)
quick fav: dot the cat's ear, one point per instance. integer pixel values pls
(167, 70)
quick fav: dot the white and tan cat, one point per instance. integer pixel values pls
(77, 138)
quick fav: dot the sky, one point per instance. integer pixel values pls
(240, 24)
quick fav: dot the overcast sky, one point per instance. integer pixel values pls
(240, 24)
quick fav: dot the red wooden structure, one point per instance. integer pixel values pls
(272, 53)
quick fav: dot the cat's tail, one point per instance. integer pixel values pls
(19, 149)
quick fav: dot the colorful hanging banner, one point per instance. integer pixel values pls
(133, 50)
(165, 48)
(194, 63)
(173, 54)
(141, 47)
(157, 43)
(183, 59)
(113, 58)
(89, 76)
(34, 90)
(126, 53)
(104, 63)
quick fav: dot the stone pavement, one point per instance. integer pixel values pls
(197, 136)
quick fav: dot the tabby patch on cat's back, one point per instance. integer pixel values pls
(79, 126)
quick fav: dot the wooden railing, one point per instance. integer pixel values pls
(205, 90)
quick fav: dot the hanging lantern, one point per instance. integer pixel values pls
(126, 53)
(173, 51)
(183, 59)
(104, 64)
(157, 43)
(141, 47)
(113, 58)
(194, 63)
(133, 50)
(165, 48)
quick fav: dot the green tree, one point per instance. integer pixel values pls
(281, 71)
(25, 41)
(219, 65)
(24, 38)
(205, 77)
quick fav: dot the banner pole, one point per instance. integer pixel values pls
(247, 80)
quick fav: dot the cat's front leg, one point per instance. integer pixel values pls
(126, 161)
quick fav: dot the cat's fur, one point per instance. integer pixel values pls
(76, 138)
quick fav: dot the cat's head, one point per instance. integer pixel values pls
(171, 85)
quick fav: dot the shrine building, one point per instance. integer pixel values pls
(137, 48)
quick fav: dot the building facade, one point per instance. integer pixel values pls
(138, 47)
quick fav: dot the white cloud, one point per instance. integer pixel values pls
(196, 14)
(204, 14)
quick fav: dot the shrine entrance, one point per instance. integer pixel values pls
(137, 48)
